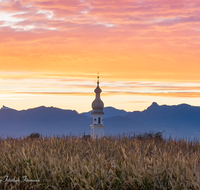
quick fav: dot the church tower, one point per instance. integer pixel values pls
(97, 127)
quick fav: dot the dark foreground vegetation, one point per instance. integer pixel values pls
(145, 161)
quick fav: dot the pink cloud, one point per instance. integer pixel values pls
(147, 23)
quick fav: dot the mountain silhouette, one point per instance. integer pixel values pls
(181, 120)
(45, 120)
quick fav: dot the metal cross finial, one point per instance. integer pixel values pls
(98, 78)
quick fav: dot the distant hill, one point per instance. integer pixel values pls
(109, 112)
(45, 120)
(177, 120)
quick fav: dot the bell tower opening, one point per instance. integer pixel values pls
(99, 120)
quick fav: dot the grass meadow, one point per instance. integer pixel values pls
(70, 163)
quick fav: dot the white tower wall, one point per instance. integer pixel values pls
(97, 131)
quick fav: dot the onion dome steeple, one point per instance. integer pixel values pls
(97, 104)
(97, 127)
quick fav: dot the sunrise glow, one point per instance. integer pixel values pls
(146, 51)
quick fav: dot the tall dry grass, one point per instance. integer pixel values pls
(109, 163)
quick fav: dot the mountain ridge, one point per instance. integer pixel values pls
(177, 120)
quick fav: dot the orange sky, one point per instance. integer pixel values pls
(44, 44)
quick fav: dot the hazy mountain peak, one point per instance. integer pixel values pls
(5, 108)
(153, 107)
(154, 104)
(186, 105)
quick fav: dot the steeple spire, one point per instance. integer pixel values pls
(97, 104)
(98, 89)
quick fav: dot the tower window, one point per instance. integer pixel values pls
(99, 120)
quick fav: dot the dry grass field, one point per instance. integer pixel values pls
(69, 163)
